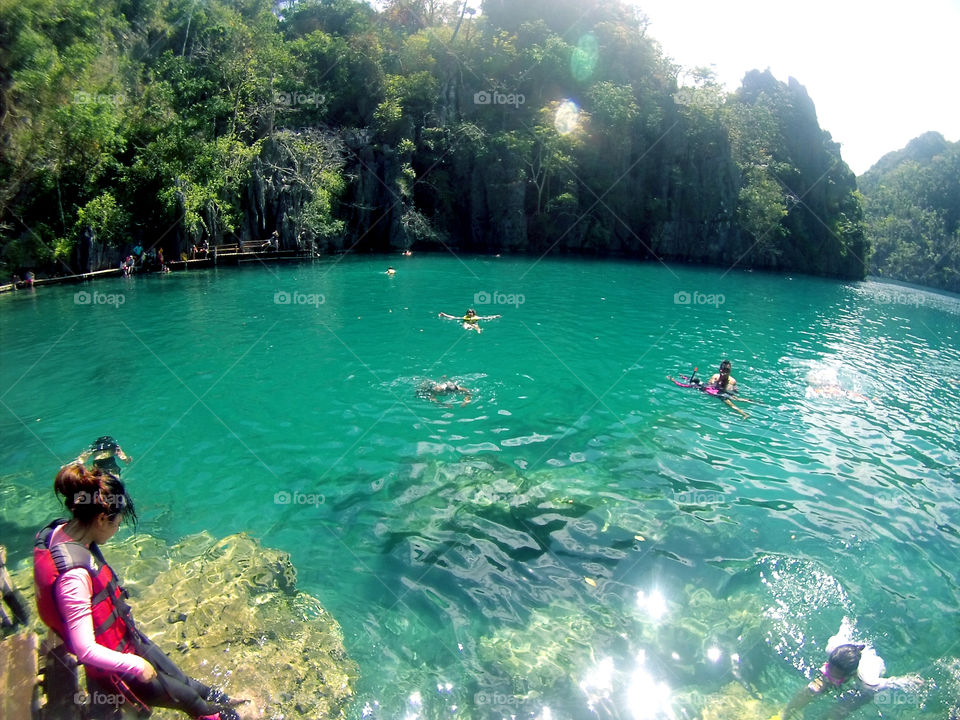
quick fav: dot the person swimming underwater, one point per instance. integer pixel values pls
(105, 451)
(433, 391)
(847, 661)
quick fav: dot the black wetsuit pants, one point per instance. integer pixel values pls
(170, 689)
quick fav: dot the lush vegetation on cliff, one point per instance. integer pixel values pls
(530, 127)
(912, 207)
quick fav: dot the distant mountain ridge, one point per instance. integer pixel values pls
(911, 202)
(921, 149)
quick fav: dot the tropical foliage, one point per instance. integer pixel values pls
(912, 206)
(531, 126)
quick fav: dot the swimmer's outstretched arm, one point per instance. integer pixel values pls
(488, 317)
(801, 699)
(449, 317)
(847, 704)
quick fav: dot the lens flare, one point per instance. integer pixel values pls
(583, 59)
(654, 604)
(648, 698)
(567, 117)
(597, 684)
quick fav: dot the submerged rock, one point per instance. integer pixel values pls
(593, 654)
(229, 614)
(733, 702)
(555, 643)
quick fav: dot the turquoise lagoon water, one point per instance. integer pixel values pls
(584, 539)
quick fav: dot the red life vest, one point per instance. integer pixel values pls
(113, 625)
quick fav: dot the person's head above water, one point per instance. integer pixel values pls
(87, 494)
(471, 312)
(843, 661)
(725, 367)
(105, 450)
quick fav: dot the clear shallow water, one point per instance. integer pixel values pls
(500, 558)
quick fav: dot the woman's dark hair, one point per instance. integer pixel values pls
(845, 659)
(87, 493)
(725, 366)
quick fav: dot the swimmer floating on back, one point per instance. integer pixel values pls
(471, 321)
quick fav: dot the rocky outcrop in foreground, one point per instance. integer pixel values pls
(229, 613)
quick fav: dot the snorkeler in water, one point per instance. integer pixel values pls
(471, 321)
(722, 380)
(721, 384)
(847, 661)
(432, 391)
(105, 452)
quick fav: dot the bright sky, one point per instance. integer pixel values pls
(879, 72)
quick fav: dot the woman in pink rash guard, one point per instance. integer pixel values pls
(79, 597)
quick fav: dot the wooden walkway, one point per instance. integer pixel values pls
(231, 256)
(19, 676)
